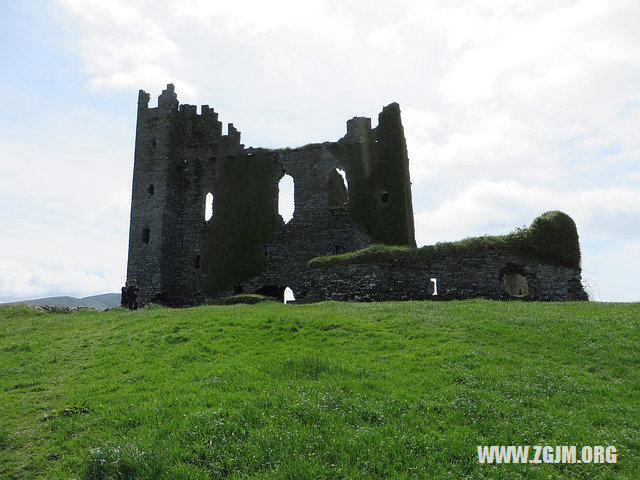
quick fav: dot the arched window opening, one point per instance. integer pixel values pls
(515, 284)
(384, 197)
(286, 202)
(151, 189)
(146, 235)
(208, 207)
(338, 188)
(197, 261)
(288, 296)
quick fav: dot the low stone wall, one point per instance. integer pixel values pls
(489, 274)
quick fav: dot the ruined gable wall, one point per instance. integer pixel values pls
(245, 217)
(377, 164)
(317, 227)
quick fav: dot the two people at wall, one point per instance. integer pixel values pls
(130, 292)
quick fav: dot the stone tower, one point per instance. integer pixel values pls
(181, 156)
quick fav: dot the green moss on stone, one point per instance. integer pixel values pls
(554, 235)
(552, 238)
(378, 166)
(245, 217)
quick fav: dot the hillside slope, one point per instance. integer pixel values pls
(99, 302)
(330, 390)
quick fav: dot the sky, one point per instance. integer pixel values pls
(510, 109)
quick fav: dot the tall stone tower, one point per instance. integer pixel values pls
(180, 258)
(152, 196)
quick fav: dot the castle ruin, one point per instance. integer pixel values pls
(183, 160)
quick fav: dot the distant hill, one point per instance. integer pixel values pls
(99, 302)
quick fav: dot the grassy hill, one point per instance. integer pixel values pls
(329, 390)
(99, 302)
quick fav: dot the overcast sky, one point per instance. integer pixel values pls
(510, 109)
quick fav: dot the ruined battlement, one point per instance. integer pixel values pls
(182, 158)
(349, 194)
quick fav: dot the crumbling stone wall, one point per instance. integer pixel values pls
(490, 274)
(180, 258)
(180, 156)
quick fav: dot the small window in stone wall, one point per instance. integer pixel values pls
(515, 284)
(151, 189)
(289, 297)
(286, 200)
(197, 261)
(146, 235)
(153, 143)
(384, 197)
(434, 281)
(208, 207)
(269, 251)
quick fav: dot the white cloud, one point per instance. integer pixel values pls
(21, 280)
(252, 16)
(509, 204)
(510, 108)
(607, 221)
(65, 204)
(610, 275)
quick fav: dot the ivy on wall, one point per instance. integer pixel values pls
(245, 217)
(379, 185)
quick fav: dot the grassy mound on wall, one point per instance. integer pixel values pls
(551, 238)
(245, 217)
(553, 235)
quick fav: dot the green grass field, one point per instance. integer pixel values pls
(322, 391)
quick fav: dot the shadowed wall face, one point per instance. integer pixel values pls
(244, 220)
(377, 167)
(182, 258)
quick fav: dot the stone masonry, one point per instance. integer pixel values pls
(181, 155)
(483, 274)
(180, 258)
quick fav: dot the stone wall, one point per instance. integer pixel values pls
(174, 168)
(490, 274)
(181, 259)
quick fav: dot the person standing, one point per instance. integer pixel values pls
(132, 294)
(123, 299)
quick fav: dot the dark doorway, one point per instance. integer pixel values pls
(272, 291)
